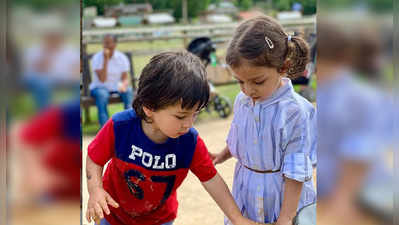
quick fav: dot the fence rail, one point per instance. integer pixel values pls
(184, 32)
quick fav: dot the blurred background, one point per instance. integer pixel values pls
(43, 113)
(357, 110)
(51, 116)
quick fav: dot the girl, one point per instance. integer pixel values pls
(152, 147)
(273, 131)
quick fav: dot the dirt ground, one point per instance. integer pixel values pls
(196, 207)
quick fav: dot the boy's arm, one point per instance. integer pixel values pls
(94, 175)
(219, 191)
(292, 194)
(99, 198)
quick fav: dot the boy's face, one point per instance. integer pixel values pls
(257, 82)
(173, 121)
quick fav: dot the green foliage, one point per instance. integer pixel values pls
(373, 5)
(243, 4)
(44, 4)
(194, 7)
(309, 6)
(282, 5)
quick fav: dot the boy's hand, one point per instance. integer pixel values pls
(98, 203)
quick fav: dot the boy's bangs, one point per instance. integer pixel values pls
(197, 94)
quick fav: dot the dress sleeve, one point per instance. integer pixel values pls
(102, 148)
(202, 165)
(297, 162)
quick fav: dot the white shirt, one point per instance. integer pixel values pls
(62, 67)
(117, 64)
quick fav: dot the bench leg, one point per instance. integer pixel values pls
(87, 115)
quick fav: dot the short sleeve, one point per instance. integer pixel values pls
(43, 127)
(102, 148)
(125, 63)
(202, 165)
(363, 139)
(297, 162)
(97, 62)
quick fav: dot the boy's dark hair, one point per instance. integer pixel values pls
(249, 45)
(170, 78)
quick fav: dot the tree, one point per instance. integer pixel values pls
(282, 5)
(194, 7)
(309, 6)
(243, 4)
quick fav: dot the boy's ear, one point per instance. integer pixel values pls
(148, 112)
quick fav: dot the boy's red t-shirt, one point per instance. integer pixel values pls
(56, 132)
(143, 176)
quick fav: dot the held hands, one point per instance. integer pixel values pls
(98, 203)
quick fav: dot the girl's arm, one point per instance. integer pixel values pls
(222, 156)
(219, 191)
(292, 194)
(98, 197)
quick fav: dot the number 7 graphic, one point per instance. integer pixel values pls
(138, 192)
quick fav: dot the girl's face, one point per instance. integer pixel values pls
(257, 82)
(173, 121)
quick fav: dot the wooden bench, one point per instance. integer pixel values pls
(85, 99)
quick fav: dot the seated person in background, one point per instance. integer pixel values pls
(49, 64)
(110, 68)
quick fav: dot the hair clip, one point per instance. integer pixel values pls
(269, 42)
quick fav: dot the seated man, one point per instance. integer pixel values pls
(49, 64)
(110, 75)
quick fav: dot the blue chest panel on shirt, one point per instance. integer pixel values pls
(71, 117)
(133, 146)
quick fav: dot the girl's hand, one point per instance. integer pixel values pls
(217, 158)
(98, 202)
(220, 157)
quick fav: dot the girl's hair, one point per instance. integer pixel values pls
(171, 78)
(261, 41)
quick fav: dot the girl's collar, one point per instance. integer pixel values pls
(276, 96)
